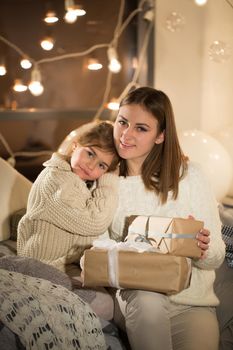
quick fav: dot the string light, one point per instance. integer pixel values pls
(114, 64)
(2, 70)
(79, 10)
(113, 105)
(19, 86)
(47, 43)
(51, 17)
(25, 63)
(35, 86)
(200, 2)
(94, 64)
(73, 11)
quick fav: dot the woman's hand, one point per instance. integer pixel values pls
(203, 240)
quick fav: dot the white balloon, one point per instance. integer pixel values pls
(213, 157)
(225, 136)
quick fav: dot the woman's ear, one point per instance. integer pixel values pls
(160, 138)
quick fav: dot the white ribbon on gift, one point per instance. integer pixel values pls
(113, 249)
(165, 235)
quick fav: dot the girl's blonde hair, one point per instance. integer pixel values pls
(165, 165)
(97, 134)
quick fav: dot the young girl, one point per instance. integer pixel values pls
(63, 215)
(156, 179)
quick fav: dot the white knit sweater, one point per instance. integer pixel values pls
(196, 199)
(63, 216)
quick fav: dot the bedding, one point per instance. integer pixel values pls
(45, 315)
(34, 268)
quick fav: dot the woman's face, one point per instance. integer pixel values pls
(135, 133)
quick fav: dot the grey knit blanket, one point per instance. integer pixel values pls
(36, 268)
(47, 316)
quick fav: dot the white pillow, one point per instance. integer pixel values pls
(14, 190)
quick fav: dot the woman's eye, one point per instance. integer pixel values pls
(122, 122)
(141, 129)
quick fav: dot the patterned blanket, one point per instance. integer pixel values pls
(47, 316)
(227, 235)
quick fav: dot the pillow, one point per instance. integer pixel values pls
(14, 221)
(14, 189)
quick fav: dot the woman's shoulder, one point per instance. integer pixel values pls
(195, 169)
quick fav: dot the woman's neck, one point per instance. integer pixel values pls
(134, 168)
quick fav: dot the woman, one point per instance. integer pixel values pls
(156, 179)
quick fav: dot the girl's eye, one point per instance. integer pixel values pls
(102, 166)
(90, 154)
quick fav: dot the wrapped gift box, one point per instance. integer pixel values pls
(175, 236)
(150, 271)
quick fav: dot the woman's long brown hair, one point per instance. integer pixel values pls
(165, 165)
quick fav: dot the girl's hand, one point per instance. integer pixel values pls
(203, 240)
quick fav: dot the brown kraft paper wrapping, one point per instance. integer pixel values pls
(152, 228)
(162, 273)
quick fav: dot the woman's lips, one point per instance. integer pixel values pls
(125, 145)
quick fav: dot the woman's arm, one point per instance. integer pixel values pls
(205, 208)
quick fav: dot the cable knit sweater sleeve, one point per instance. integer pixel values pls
(204, 207)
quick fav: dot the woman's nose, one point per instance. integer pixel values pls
(128, 132)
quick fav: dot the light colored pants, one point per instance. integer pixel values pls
(152, 322)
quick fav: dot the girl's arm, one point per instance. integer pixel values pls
(73, 207)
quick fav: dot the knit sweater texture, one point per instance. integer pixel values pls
(195, 198)
(63, 216)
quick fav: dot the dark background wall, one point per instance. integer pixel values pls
(72, 93)
(68, 83)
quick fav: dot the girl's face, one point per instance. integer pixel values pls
(135, 133)
(89, 163)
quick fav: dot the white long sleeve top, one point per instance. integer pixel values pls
(195, 198)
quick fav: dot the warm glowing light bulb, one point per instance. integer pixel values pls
(47, 44)
(94, 64)
(114, 65)
(35, 86)
(2, 70)
(70, 16)
(200, 2)
(51, 17)
(113, 105)
(25, 63)
(79, 10)
(19, 86)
